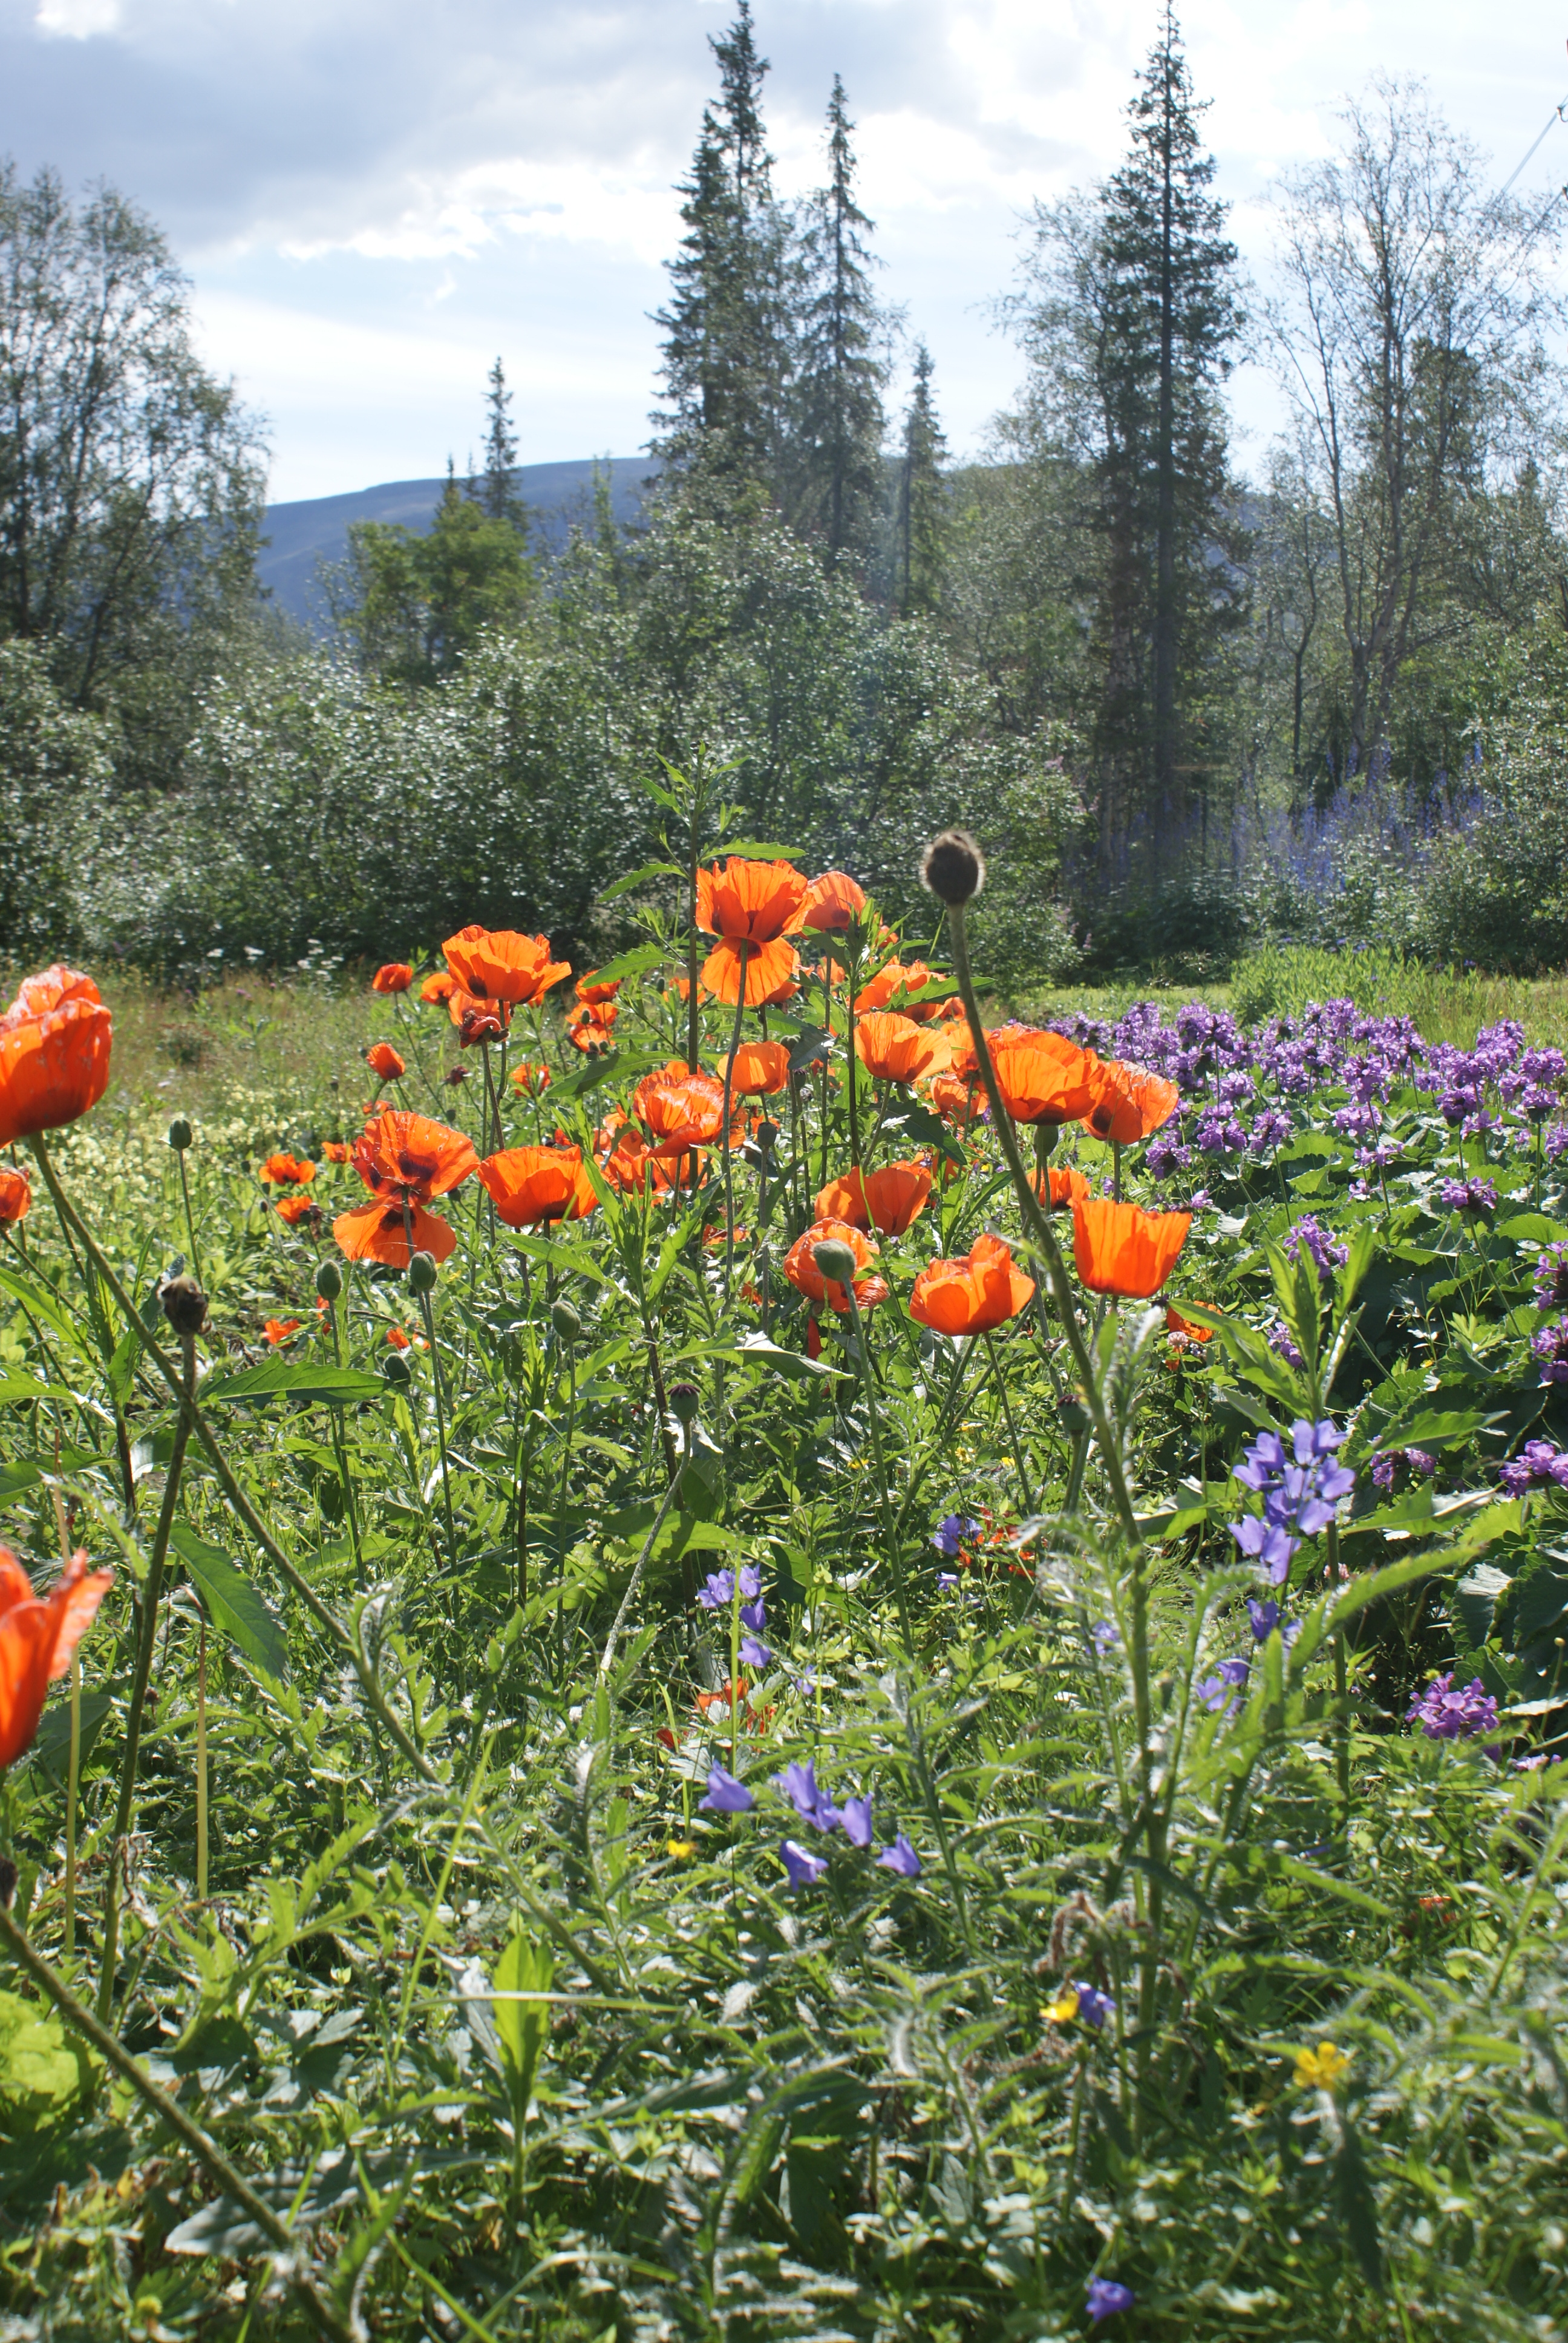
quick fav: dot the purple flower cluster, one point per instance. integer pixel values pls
(1538, 1465)
(1387, 1464)
(1107, 2296)
(1283, 1341)
(717, 1593)
(1550, 1345)
(1264, 1617)
(1222, 1689)
(1552, 1278)
(950, 1533)
(1444, 1715)
(1310, 1236)
(1467, 1195)
(1299, 1488)
(800, 1784)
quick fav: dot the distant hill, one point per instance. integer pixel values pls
(316, 528)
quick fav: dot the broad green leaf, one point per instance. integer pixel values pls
(627, 1065)
(641, 878)
(338, 1386)
(635, 963)
(44, 2070)
(238, 1609)
(16, 1391)
(758, 849)
(526, 1967)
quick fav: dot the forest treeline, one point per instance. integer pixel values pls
(1186, 704)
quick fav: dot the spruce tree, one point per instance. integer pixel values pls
(495, 487)
(838, 439)
(727, 329)
(923, 497)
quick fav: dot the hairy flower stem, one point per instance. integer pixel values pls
(1015, 1441)
(724, 1122)
(201, 1802)
(190, 1222)
(74, 1768)
(146, 1634)
(213, 2161)
(428, 1315)
(889, 1526)
(1342, 1690)
(613, 1638)
(851, 1062)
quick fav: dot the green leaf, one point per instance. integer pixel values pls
(760, 850)
(337, 1386)
(1530, 1228)
(16, 1390)
(635, 962)
(1356, 2202)
(26, 1472)
(43, 2071)
(238, 1609)
(619, 1065)
(52, 1742)
(522, 2025)
(639, 878)
(812, 1044)
(1447, 1428)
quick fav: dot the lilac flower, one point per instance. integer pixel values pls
(755, 1654)
(950, 1533)
(1106, 1636)
(717, 1591)
(1217, 1691)
(798, 1784)
(1107, 2296)
(1389, 1462)
(1326, 1256)
(1557, 1143)
(1300, 1489)
(857, 1821)
(1444, 1715)
(1264, 1617)
(1163, 1156)
(1552, 1279)
(1539, 1466)
(1467, 1195)
(1271, 1129)
(804, 1869)
(1093, 2007)
(1282, 1341)
(754, 1615)
(1219, 1133)
(1550, 1345)
(946, 1581)
(725, 1795)
(901, 1857)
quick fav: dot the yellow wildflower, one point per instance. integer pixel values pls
(681, 1848)
(1064, 2008)
(1321, 2069)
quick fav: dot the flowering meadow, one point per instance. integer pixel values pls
(747, 1656)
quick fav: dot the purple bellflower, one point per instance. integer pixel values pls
(725, 1795)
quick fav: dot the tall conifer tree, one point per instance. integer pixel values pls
(922, 496)
(839, 421)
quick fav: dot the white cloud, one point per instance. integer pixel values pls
(77, 20)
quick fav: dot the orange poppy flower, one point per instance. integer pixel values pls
(894, 978)
(760, 1069)
(396, 1340)
(531, 1080)
(628, 1162)
(54, 1053)
(768, 971)
(833, 902)
(1043, 1077)
(500, 965)
(1060, 1184)
(679, 1109)
(335, 1152)
(888, 1199)
(530, 1184)
(1129, 1103)
(281, 1330)
(16, 1195)
(787, 988)
(973, 1296)
(396, 977)
(1176, 1324)
(962, 1054)
(957, 1099)
(37, 1639)
(590, 1030)
(286, 1171)
(401, 1155)
(295, 1208)
(590, 991)
(896, 1049)
(801, 1267)
(385, 1062)
(439, 987)
(750, 902)
(1120, 1250)
(478, 1020)
(374, 1232)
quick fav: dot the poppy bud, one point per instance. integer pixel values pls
(565, 1321)
(422, 1273)
(180, 1134)
(330, 1281)
(954, 867)
(836, 1262)
(1073, 1416)
(767, 1135)
(684, 1399)
(395, 1368)
(184, 1304)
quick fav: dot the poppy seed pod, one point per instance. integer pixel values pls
(566, 1321)
(330, 1281)
(683, 1402)
(954, 867)
(836, 1262)
(395, 1368)
(184, 1304)
(422, 1273)
(1073, 1417)
(180, 1134)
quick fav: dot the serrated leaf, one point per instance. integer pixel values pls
(238, 1609)
(337, 1386)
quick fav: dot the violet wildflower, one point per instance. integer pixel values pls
(857, 1821)
(1163, 1156)
(1550, 1345)
(804, 1869)
(1538, 1465)
(1107, 2296)
(1552, 1279)
(1271, 1129)
(1106, 1636)
(717, 1590)
(754, 1615)
(798, 1784)
(1325, 1255)
(1299, 1488)
(725, 1795)
(1264, 1617)
(950, 1533)
(1219, 1690)
(1467, 1195)
(1389, 1464)
(901, 1857)
(1444, 1715)
(756, 1654)
(1282, 1343)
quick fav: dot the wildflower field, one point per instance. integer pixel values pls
(736, 1658)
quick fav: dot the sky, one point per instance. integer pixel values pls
(375, 198)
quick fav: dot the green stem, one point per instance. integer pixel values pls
(1016, 1444)
(190, 1223)
(147, 1635)
(212, 2160)
(724, 1124)
(889, 1526)
(652, 1540)
(201, 1763)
